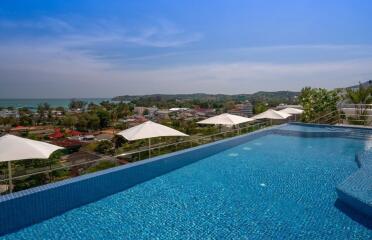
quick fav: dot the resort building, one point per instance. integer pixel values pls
(244, 109)
(5, 113)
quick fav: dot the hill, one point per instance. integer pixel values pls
(180, 99)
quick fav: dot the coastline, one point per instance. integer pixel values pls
(32, 103)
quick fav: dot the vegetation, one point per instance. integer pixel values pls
(209, 100)
(104, 147)
(317, 102)
(91, 117)
(359, 97)
(77, 104)
(260, 107)
(101, 166)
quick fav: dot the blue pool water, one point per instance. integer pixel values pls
(274, 187)
(303, 128)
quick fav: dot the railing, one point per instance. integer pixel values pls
(136, 155)
(196, 141)
(326, 118)
(351, 114)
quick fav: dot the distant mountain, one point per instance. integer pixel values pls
(277, 97)
(364, 84)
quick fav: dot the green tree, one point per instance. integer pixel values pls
(82, 123)
(77, 104)
(260, 107)
(69, 121)
(228, 105)
(43, 111)
(107, 105)
(93, 121)
(25, 120)
(362, 95)
(318, 102)
(61, 109)
(123, 110)
(118, 141)
(360, 98)
(104, 117)
(104, 147)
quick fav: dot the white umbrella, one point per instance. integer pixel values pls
(13, 148)
(149, 130)
(293, 111)
(272, 114)
(226, 119)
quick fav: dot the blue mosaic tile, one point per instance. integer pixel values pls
(356, 190)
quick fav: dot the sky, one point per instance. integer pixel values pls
(95, 48)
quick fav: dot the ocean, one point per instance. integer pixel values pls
(53, 102)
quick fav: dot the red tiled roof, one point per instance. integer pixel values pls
(19, 128)
(67, 143)
(74, 133)
(57, 134)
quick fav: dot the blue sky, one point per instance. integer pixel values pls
(94, 48)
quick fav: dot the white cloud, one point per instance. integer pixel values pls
(55, 71)
(64, 67)
(158, 34)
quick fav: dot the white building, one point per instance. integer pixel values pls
(9, 113)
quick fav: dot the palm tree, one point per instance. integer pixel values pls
(360, 98)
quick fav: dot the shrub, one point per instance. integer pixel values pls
(101, 166)
(104, 147)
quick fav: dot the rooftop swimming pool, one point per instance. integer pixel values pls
(305, 128)
(267, 187)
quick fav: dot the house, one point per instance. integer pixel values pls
(73, 133)
(104, 137)
(68, 144)
(57, 134)
(178, 109)
(152, 111)
(4, 113)
(87, 138)
(162, 114)
(244, 109)
(133, 120)
(204, 112)
(283, 106)
(139, 110)
(19, 129)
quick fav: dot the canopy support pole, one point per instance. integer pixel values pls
(10, 176)
(149, 147)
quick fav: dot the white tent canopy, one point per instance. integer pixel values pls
(226, 119)
(272, 114)
(13, 148)
(292, 110)
(150, 130)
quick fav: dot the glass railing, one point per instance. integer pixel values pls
(24, 178)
